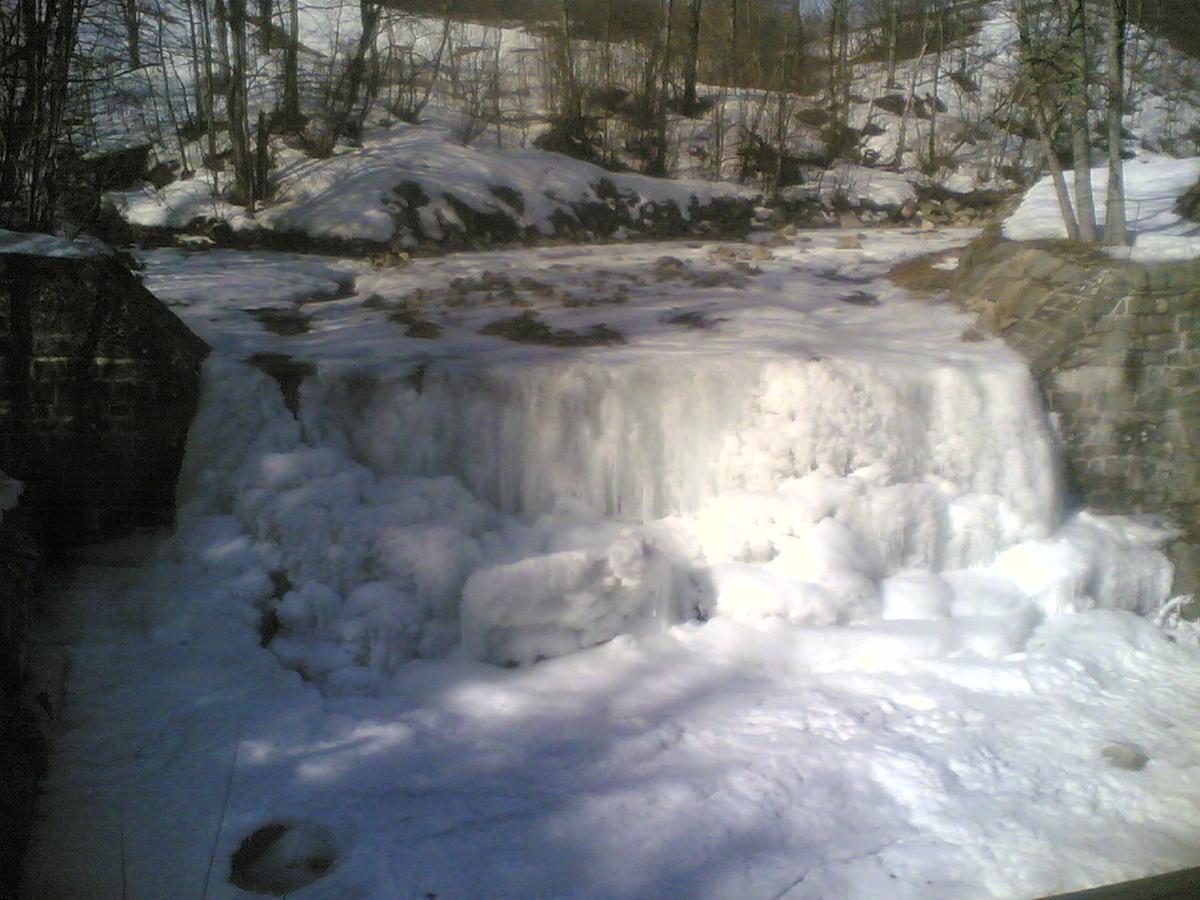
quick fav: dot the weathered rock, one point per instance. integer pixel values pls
(1189, 204)
(98, 385)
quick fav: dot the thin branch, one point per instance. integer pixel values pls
(212, 856)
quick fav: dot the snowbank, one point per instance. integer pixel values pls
(37, 244)
(410, 183)
(1153, 186)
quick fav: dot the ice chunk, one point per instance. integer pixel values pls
(553, 604)
(916, 594)
(749, 593)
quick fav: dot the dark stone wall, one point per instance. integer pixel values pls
(1116, 348)
(98, 385)
(24, 724)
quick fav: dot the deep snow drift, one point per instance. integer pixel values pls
(788, 543)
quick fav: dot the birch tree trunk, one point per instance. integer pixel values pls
(1115, 229)
(1085, 207)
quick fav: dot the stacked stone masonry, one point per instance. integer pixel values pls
(98, 385)
(1116, 348)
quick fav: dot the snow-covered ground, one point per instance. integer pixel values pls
(352, 195)
(978, 131)
(1153, 185)
(811, 620)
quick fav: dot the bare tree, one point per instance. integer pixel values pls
(265, 13)
(292, 118)
(1035, 69)
(236, 108)
(1115, 229)
(37, 45)
(910, 97)
(131, 18)
(893, 32)
(691, 60)
(838, 52)
(931, 151)
(1085, 207)
(657, 163)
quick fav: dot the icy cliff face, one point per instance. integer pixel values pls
(642, 439)
(803, 481)
(829, 467)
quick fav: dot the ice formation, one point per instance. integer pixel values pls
(534, 510)
(846, 640)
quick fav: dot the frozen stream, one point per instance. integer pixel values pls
(787, 545)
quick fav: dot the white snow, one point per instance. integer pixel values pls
(38, 244)
(351, 195)
(826, 629)
(1153, 185)
(856, 185)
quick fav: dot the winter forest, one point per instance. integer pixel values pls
(599, 448)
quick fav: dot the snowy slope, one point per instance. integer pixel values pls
(353, 194)
(981, 132)
(1153, 186)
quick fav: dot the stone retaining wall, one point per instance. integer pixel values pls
(98, 385)
(24, 727)
(1116, 348)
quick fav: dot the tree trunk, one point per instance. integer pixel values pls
(210, 113)
(693, 58)
(844, 62)
(291, 70)
(931, 145)
(1085, 207)
(572, 95)
(132, 20)
(221, 31)
(348, 114)
(1115, 229)
(262, 157)
(733, 35)
(839, 85)
(893, 29)
(910, 99)
(196, 55)
(1036, 87)
(235, 106)
(35, 76)
(265, 14)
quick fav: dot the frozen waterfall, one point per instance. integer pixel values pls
(807, 462)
